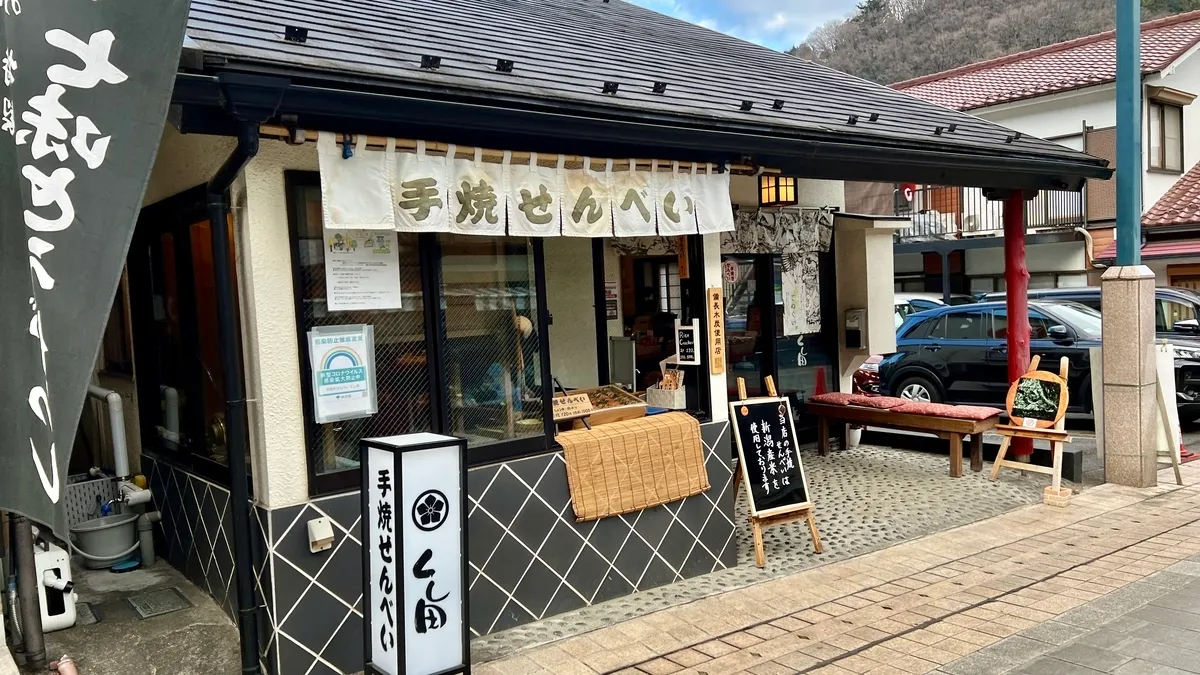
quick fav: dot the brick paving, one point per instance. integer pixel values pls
(1023, 591)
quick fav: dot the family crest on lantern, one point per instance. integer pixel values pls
(539, 197)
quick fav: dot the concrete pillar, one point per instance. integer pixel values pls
(1130, 404)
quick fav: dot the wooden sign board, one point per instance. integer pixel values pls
(715, 311)
(572, 406)
(1038, 400)
(768, 456)
(685, 343)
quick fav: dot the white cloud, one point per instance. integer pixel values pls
(781, 24)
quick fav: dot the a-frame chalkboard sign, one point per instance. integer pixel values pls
(769, 464)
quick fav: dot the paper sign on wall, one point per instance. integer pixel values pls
(610, 301)
(343, 372)
(362, 270)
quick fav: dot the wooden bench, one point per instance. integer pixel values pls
(949, 428)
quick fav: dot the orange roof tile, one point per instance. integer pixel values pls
(1074, 64)
(1180, 205)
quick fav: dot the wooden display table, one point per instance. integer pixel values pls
(949, 428)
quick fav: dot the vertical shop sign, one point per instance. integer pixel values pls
(414, 579)
(84, 94)
(715, 308)
(343, 368)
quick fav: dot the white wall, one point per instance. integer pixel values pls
(570, 298)
(184, 162)
(1184, 77)
(1058, 257)
(1159, 267)
(271, 351)
(863, 256)
(1058, 114)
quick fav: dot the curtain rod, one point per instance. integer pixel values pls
(467, 152)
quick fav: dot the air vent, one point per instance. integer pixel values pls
(660, 87)
(431, 62)
(610, 88)
(746, 106)
(778, 104)
(295, 34)
(874, 117)
(504, 65)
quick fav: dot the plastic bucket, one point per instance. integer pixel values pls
(104, 542)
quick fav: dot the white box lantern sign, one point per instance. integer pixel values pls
(415, 567)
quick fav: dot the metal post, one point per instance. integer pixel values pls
(27, 591)
(1016, 279)
(946, 277)
(1129, 134)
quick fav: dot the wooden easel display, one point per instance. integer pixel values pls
(791, 500)
(1030, 417)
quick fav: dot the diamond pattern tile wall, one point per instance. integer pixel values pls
(529, 559)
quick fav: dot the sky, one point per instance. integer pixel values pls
(781, 24)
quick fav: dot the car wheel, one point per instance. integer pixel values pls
(919, 389)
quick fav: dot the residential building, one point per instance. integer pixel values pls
(1065, 93)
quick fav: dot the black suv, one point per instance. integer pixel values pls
(1176, 314)
(959, 354)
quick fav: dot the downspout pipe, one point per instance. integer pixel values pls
(235, 405)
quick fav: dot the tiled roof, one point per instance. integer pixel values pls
(1180, 205)
(559, 55)
(1060, 67)
(1170, 248)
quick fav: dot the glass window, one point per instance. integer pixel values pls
(1166, 136)
(777, 190)
(1039, 325)
(492, 350)
(960, 326)
(1168, 312)
(1083, 319)
(669, 299)
(401, 371)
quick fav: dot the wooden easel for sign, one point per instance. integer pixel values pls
(774, 516)
(1046, 430)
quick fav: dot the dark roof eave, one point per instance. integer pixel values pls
(803, 152)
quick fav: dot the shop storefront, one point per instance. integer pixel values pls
(479, 320)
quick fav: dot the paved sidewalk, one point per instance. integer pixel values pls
(949, 602)
(1150, 627)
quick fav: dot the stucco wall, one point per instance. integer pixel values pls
(185, 161)
(863, 256)
(569, 297)
(270, 346)
(743, 191)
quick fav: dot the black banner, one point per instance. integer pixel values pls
(85, 89)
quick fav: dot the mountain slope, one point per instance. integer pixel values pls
(891, 40)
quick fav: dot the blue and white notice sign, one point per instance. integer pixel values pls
(343, 368)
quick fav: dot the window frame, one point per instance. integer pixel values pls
(1158, 164)
(429, 255)
(772, 184)
(175, 216)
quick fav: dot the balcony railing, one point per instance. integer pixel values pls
(956, 212)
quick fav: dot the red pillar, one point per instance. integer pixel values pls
(1016, 278)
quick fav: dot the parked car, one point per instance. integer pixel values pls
(1176, 314)
(919, 302)
(959, 354)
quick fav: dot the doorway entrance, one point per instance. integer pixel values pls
(802, 365)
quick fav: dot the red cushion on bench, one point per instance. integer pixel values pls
(960, 412)
(833, 398)
(881, 402)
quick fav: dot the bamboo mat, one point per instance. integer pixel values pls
(633, 465)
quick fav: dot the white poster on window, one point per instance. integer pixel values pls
(477, 196)
(362, 270)
(635, 203)
(801, 294)
(343, 372)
